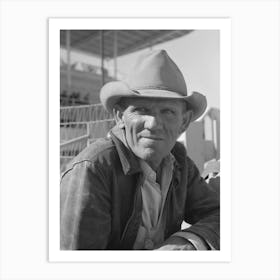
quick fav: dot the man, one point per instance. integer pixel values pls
(133, 189)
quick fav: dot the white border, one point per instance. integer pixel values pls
(55, 25)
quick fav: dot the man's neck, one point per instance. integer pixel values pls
(156, 166)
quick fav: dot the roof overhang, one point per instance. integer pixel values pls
(128, 41)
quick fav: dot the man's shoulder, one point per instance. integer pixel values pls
(180, 153)
(179, 149)
(101, 150)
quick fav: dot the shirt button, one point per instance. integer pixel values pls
(149, 244)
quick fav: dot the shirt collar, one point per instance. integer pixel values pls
(168, 162)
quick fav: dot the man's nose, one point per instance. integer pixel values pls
(153, 122)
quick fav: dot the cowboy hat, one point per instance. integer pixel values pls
(154, 75)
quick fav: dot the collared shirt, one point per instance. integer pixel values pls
(154, 194)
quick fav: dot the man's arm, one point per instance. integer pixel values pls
(176, 243)
(85, 221)
(202, 211)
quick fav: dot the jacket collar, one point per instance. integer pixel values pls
(130, 163)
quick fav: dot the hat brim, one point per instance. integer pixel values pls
(112, 92)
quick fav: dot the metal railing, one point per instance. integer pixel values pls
(80, 126)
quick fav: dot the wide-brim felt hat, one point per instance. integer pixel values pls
(155, 75)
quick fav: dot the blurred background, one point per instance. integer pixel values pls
(90, 58)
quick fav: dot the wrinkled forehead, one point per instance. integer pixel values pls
(152, 102)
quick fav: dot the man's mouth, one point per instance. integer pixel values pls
(151, 137)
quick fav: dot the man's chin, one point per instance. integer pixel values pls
(148, 154)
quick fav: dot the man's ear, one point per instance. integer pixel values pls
(187, 116)
(118, 115)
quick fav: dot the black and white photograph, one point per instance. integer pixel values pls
(130, 184)
(140, 139)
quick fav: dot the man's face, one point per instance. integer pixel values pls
(152, 126)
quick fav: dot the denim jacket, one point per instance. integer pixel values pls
(101, 202)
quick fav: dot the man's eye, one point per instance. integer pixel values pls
(141, 110)
(168, 112)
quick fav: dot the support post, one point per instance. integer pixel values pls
(68, 49)
(115, 54)
(102, 56)
(88, 133)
